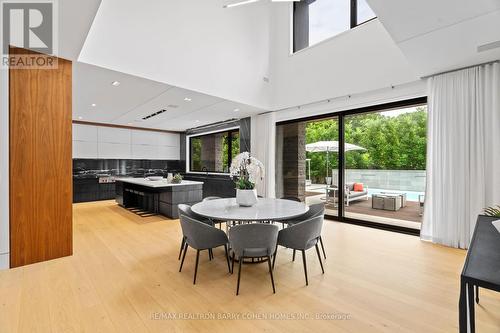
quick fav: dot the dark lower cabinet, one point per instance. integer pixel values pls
(215, 185)
(106, 191)
(168, 201)
(119, 193)
(157, 200)
(85, 190)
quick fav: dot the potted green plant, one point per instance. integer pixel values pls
(492, 211)
(177, 179)
(246, 171)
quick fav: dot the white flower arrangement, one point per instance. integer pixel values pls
(246, 171)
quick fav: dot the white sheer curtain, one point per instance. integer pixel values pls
(263, 145)
(463, 152)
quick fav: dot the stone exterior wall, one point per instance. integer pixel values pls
(211, 152)
(291, 160)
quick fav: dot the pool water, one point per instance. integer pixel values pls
(410, 195)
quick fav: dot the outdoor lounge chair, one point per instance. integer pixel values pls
(349, 194)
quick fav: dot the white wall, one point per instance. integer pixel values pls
(380, 96)
(192, 44)
(4, 169)
(120, 143)
(359, 60)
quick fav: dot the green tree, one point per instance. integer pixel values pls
(390, 142)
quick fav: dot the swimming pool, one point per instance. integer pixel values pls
(410, 195)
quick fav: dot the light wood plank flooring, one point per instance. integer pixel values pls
(123, 277)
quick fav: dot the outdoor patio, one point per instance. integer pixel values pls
(408, 216)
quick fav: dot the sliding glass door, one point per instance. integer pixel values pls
(307, 162)
(385, 166)
(367, 165)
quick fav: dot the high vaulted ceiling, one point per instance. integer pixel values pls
(225, 59)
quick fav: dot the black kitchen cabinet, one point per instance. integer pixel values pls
(85, 190)
(214, 185)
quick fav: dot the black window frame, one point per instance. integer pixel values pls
(340, 115)
(353, 21)
(230, 132)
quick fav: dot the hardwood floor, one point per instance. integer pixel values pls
(124, 275)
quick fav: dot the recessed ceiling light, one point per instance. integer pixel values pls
(94, 105)
(196, 121)
(115, 83)
(80, 118)
(187, 99)
(236, 110)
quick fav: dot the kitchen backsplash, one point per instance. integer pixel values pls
(93, 168)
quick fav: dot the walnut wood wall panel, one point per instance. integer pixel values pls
(40, 163)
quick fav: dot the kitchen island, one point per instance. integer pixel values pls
(150, 197)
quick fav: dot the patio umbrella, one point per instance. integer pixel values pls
(330, 146)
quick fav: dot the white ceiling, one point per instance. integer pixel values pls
(75, 20)
(193, 44)
(136, 98)
(442, 35)
(242, 54)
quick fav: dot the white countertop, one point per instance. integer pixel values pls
(265, 209)
(157, 183)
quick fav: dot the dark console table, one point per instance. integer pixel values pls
(481, 269)
(146, 197)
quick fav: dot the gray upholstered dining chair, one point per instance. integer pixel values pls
(184, 209)
(256, 240)
(314, 210)
(302, 236)
(201, 236)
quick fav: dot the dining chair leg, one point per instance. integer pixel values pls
(274, 255)
(305, 265)
(239, 275)
(232, 264)
(293, 258)
(182, 247)
(196, 265)
(183, 256)
(227, 258)
(210, 254)
(319, 258)
(271, 273)
(322, 247)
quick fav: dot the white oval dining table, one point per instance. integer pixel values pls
(266, 209)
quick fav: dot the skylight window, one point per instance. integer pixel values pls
(317, 20)
(364, 12)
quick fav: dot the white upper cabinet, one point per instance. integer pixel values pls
(84, 133)
(84, 149)
(114, 135)
(169, 139)
(114, 150)
(114, 143)
(144, 137)
(147, 152)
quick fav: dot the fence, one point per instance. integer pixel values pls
(402, 180)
